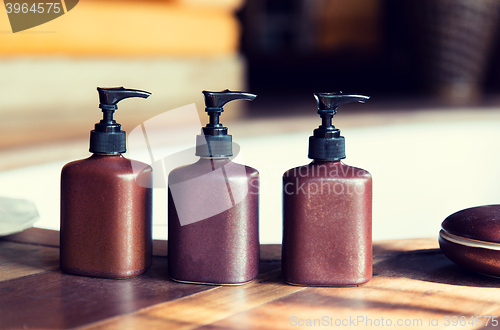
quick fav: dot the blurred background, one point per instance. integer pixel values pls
(428, 134)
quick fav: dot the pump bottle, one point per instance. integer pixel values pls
(327, 210)
(105, 210)
(213, 235)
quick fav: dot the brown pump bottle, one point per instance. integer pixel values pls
(327, 210)
(106, 210)
(213, 206)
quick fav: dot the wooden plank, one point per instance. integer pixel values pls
(29, 292)
(232, 303)
(73, 301)
(46, 237)
(418, 289)
(55, 300)
(35, 236)
(18, 260)
(413, 281)
(205, 307)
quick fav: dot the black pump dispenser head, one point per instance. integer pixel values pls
(107, 137)
(214, 140)
(326, 142)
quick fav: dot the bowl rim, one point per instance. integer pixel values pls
(468, 241)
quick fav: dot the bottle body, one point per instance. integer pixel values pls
(213, 235)
(327, 225)
(106, 218)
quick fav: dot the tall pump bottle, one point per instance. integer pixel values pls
(327, 210)
(213, 205)
(106, 211)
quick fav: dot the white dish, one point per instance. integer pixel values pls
(16, 215)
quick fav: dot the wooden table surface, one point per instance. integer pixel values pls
(414, 286)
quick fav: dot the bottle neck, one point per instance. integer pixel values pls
(97, 154)
(321, 161)
(214, 158)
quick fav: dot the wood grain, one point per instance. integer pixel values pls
(18, 260)
(411, 287)
(206, 307)
(56, 300)
(413, 283)
(47, 237)
(35, 236)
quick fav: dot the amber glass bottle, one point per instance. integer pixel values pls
(327, 210)
(105, 209)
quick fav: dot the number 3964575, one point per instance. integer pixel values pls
(35, 8)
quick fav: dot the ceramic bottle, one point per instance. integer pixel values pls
(213, 205)
(327, 210)
(106, 210)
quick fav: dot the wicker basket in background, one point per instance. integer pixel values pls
(454, 40)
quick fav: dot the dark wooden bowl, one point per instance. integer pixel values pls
(471, 238)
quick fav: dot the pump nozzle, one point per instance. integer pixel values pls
(326, 142)
(214, 140)
(219, 99)
(331, 101)
(214, 101)
(107, 137)
(109, 97)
